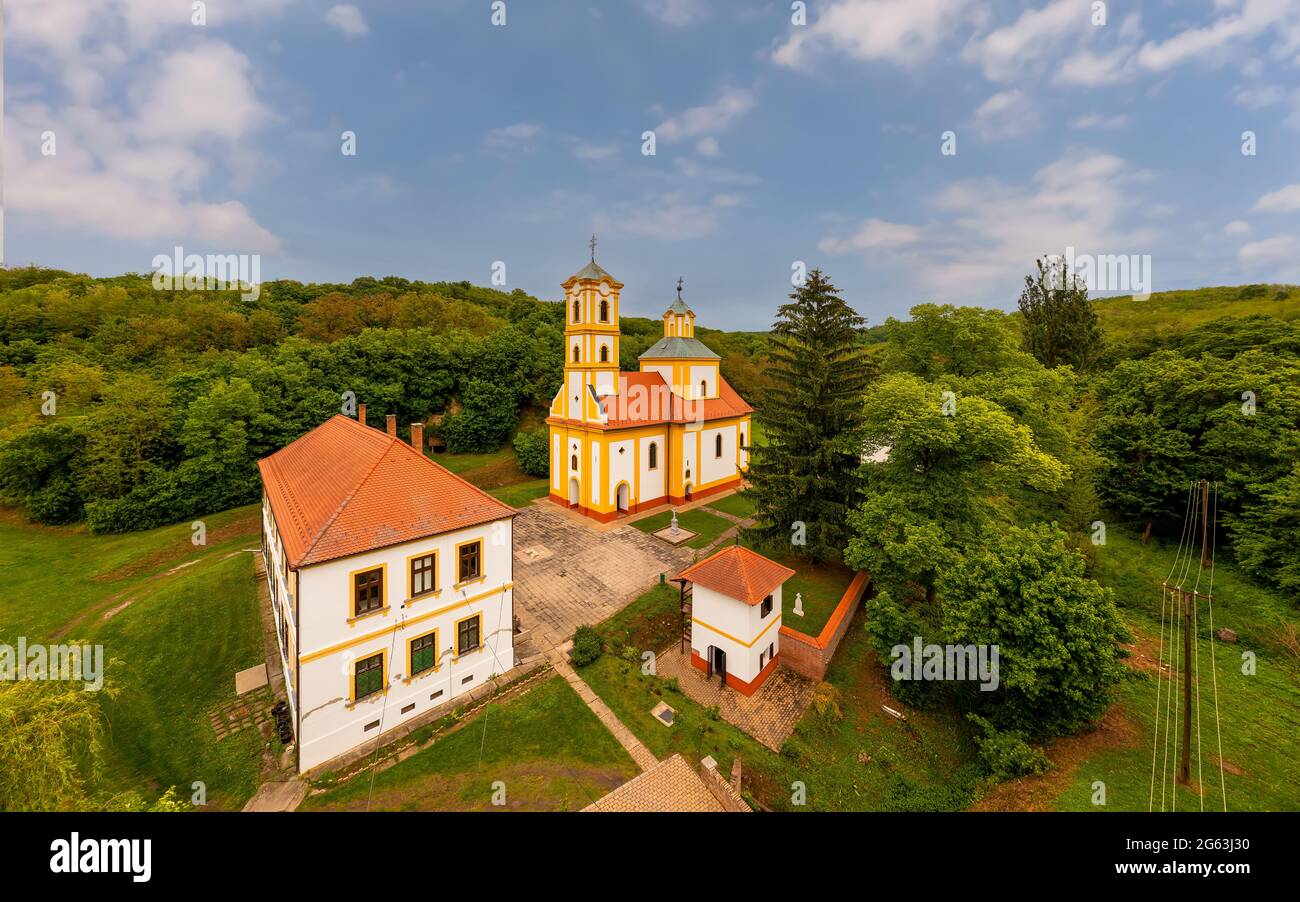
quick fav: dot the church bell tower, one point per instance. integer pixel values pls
(590, 339)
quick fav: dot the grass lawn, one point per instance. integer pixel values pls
(1259, 714)
(863, 760)
(172, 644)
(54, 574)
(738, 505)
(545, 745)
(821, 585)
(707, 527)
(521, 494)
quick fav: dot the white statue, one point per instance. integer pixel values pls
(798, 603)
(673, 526)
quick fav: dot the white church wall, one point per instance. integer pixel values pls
(622, 468)
(713, 468)
(652, 481)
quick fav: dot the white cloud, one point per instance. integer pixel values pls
(140, 164)
(1237, 228)
(872, 234)
(584, 151)
(347, 19)
(676, 12)
(1255, 18)
(708, 146)
(1092, 70)
(905, 32)
(1283, 200)
(1281, 253)
(519, 136)
(1007, 114)
(202, 91)
(1090, 121)
(709, 119)
(1003, 52)
(985, 234)
(1258, 97)
(674, 216)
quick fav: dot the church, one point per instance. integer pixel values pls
(623, 442)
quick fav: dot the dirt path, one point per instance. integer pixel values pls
(120, 601)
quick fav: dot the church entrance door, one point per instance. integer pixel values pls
(573, 492)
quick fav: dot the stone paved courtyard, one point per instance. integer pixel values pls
(769, 715)
(568, 574)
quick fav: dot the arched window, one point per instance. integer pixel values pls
(654, 455)
(573, 462)
(742, 439)
(576, 311)
(704, 388)
(717, 446)
(575, 353)
(604, 311)
(604, 353)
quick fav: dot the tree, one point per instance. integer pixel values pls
(534, 452)
(1057, 631)
(943, 340)
(1058, 324)
(49, 744)
(489, 414)
(931, 498)
(807, 473)
(1266, 537)
(36, 472)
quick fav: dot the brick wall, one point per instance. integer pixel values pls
(809, 656)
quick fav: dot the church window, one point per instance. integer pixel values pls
(604, 353)
(575, 353)
(742, 439)
(704, 388)
(604, 311)
(717, 446)
(573, 462)
(654, 456)
(576, 311)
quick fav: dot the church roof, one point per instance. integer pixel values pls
(676, 346)
(679, 306)
(656, 403)
(345, 488)
(592, 271)
(739, 573)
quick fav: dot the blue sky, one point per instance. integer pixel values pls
(775, 142)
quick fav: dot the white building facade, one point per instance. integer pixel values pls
(411, 617)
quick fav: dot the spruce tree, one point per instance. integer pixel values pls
(812, 417)
(1059, 325)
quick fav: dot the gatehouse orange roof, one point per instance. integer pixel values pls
(345, 488)
(737, 572)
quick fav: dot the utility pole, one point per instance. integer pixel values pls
(1189, 613)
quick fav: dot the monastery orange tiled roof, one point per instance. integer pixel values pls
(345, 488)
(648, 399)
(737, 572)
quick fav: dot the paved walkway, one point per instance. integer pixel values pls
(281, 796)
(568, 575)
(769, 715)
(643, 757)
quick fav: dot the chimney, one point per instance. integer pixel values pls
(417, 437)
(361, 414)
(392, 424)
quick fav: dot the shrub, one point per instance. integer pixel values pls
(530, 449)
(1005, 753)
(587, 646)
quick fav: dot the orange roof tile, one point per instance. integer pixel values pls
(647, 398)
(737, 572)
(345, 488)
